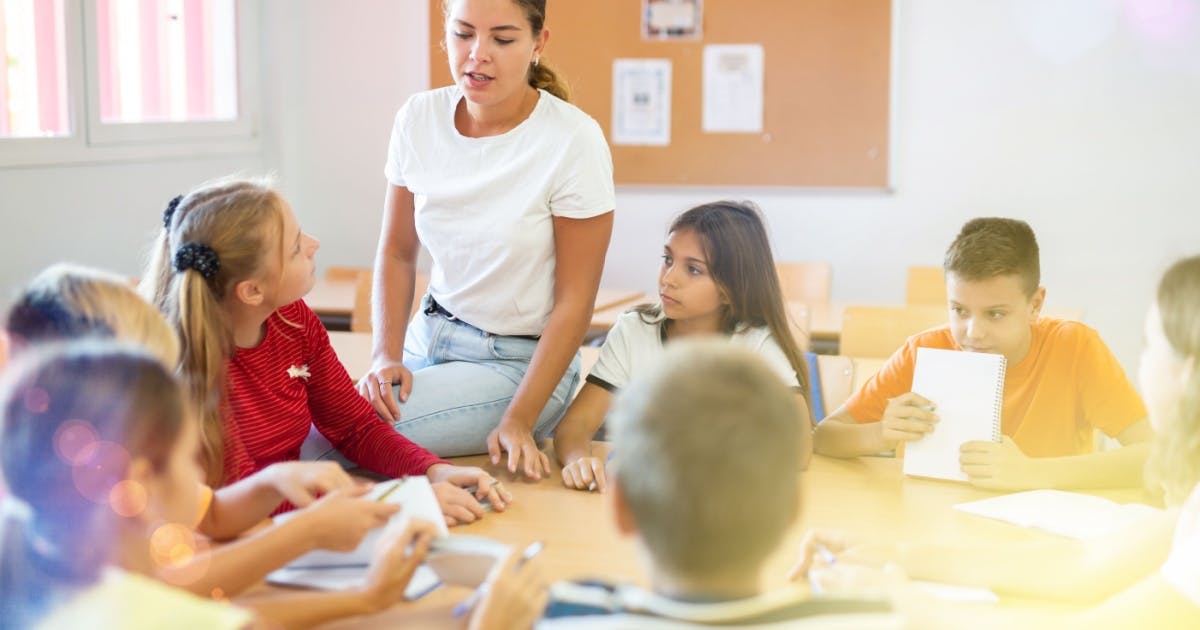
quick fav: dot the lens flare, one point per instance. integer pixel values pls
(178, 549)
(71, 438)
(128, 498)
(36, 399)
(99, 466)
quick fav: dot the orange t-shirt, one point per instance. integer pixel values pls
(1068, 384)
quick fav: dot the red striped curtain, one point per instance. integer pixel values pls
(33, 87)
(166, 60)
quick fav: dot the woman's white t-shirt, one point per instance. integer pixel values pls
(484, 206)
(634, 347)
(1182, 568)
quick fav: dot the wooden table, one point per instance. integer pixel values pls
(331, 297)
(868, 498)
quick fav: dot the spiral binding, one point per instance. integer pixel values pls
(998, 405)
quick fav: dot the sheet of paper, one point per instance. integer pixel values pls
(1069, 514)
(416, 498)
(423, 581)
(733, 88)
(641, 102)
(956, 592)
(671, 19)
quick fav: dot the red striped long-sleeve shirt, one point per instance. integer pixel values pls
(292, 380)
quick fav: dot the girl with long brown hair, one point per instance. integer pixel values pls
(717, 278)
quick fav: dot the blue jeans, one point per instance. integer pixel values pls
(463, 380)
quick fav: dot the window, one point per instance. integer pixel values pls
(166, 60)
(33, 72)
(92, 80)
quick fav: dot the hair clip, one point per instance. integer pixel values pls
(170, 211)
(197, 256)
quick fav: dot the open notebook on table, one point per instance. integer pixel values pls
(967, 390)
(452, 559)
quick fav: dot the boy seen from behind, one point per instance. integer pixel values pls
(706, 475)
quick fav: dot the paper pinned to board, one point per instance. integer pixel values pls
(641, 102)
(733, 88)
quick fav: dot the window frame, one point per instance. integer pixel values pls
(91, 141)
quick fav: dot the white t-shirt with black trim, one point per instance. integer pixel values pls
(634, 347)
(485, 206)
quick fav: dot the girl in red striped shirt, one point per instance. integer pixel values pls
(229, 273)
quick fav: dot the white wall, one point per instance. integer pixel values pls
(336, 72)
(103, 215)
(1065, 113)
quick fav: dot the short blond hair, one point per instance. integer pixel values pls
(67, 301)
(707, 458)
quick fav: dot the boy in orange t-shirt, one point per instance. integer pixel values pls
(1062, 381)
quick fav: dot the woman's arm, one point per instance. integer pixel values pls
(391, 303)
(579, 246)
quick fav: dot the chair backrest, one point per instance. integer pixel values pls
(926, 285)
(800, 321)
(364, 281)
(360, 316)
(805, 282)
(878, 331)
(841, 376)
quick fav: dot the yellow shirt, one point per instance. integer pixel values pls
(1068, 384)
(135, 602)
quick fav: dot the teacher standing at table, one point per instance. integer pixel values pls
(510, 189)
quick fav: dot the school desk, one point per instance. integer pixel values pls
(869, 499)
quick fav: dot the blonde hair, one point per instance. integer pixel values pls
(237, 219)
(1174, 466)
(65, 301)
(540, 75)
(64, 539)
(709, 405)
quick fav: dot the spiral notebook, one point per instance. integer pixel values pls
(967, 389)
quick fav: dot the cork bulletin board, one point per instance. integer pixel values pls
(826, 89)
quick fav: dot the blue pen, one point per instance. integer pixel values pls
(469, 603)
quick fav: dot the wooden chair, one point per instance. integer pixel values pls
(800, 320)
(840, 376)
(878, 331)
(926, 285)
(805, 282)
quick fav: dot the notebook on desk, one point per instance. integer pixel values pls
(967, 390)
